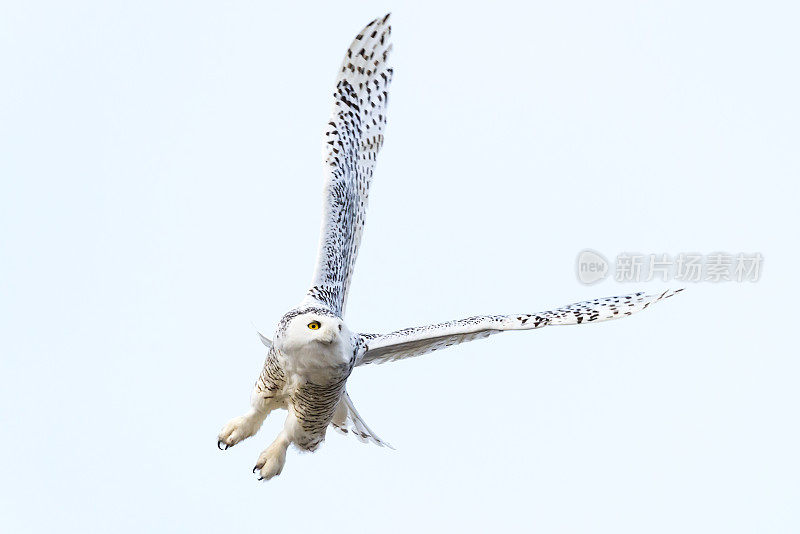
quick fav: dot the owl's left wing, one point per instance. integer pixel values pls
(352, 140)
(420, 340)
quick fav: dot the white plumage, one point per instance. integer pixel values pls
(313, 352)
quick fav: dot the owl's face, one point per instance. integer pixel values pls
(312, 331)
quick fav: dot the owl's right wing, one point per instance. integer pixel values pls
(420, 340)
(353, 138)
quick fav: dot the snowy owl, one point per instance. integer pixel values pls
(313, 351)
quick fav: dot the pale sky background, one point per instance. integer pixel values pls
(160, 195)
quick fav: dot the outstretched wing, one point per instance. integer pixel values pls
(420, 340)
(352, 140)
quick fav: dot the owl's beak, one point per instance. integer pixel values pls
(327, 336)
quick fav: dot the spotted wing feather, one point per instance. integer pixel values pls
(353, 138)
(420, 340)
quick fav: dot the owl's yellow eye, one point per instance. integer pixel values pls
(314, 325)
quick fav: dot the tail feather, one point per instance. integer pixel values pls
(347, 420)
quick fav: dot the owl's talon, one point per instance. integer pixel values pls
(240, 428)
(270, 463)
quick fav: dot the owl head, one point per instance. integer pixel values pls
(311, 329)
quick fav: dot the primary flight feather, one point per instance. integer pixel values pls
(313, 352)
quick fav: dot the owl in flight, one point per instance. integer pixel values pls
(313, 351)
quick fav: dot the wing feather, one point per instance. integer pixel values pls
(417, 341)
(353, 138)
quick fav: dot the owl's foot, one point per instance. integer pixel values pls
(272, 460)
(240, 428)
